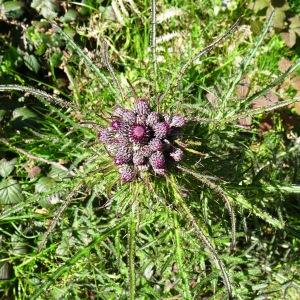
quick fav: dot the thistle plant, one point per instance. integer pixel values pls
(140, 154)
(141, 139)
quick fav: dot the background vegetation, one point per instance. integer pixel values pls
(141, 241)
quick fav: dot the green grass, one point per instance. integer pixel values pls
(70, 229)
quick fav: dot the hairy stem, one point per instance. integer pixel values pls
(175, 82)
(276, 82)
(245, 63)
(111, 70)
(203, 238)
(39, 93)
(85, 58)
(36, 158)
(203, 179)
(57, 216)
(261, 110)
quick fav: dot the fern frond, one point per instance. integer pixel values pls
(66, 203)
(117, 12)
(276, 82)
(168, 36)
(260, 110)
(133, 6)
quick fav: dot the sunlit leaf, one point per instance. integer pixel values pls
(278, 20)
(295, 24)
(260, 4)
(7, 166)
(31, 62)
(47, 8)
(23, 113)
(44, 184)
(10, 192)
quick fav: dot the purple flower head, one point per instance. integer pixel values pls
(152, 119)
(177, 155)
(161, 130)
(141, 140)
(123, 156)
(138, 133)
(105, 135)
(157, 160)
(156, 144)
(142, 107)
(178, 121)
(167, 118)
(146, 150)
(138, 158)
(116, 124)
(129, 116)
(118, 111)
(141, 119)
(127, 173)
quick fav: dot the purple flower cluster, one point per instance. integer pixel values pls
(141, 140)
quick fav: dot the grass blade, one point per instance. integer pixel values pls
(153, 45)
(132, 234)
(72, 261)
(179, 260)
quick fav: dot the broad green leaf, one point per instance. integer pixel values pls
(57, 173)
(44, 184)
(47, 8)
(12, 5)
(295, 24)
(278, 20)
(23, 113)
(31, 62)
(10, 192)
(260, 4)
(2, 113)
(289, 38)
(7, 166)
(69, 16)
